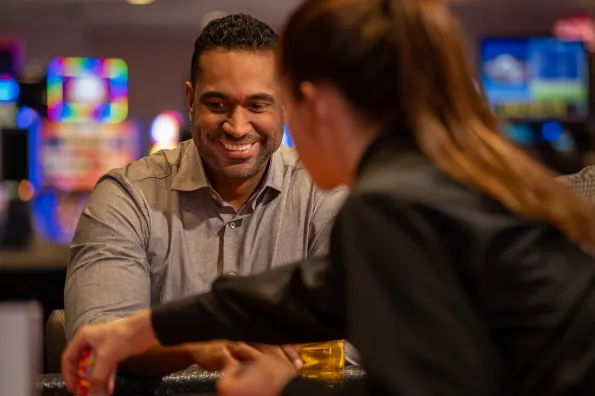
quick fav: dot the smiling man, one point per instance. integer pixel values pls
(231, 201)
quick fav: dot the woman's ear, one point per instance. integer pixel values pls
(313, 105)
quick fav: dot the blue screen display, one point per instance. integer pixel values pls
(287, 139)
(535, 77)
(540, 134)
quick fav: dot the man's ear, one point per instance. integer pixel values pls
(189, 95)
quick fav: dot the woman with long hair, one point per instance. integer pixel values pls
(457, 266)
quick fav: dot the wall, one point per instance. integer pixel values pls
(513, 18)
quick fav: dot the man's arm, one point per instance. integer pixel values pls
(108, 276)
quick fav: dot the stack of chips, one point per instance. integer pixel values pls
(85, 368)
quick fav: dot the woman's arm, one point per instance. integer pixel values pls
(287, 305)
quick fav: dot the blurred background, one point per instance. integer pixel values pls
(90, 85)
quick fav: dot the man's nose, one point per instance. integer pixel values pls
(238, 124)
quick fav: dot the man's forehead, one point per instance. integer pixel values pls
(238, 66)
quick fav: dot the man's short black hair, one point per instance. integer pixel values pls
(232, 32)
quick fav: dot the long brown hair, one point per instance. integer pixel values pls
(404, 59)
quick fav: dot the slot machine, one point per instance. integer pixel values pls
(540, 89)
(15, 189)
(87, 133)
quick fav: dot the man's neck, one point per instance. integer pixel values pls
(237, 191)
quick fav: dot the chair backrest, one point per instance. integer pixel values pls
(55, 340)
(21, 348)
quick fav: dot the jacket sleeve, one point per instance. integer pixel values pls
(290, 304)
(409, 313)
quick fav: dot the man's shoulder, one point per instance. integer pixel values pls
(586, 174)
(156, 167)
(583, 182)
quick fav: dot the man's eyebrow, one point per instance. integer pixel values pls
(213, 95)
(262, 96)
(220, 95)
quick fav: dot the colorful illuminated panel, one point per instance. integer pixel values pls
(56, 214)
(87, 90)
(75, 156)
(9, 88)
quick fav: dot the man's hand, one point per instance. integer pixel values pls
(111, 343)
(215, 355)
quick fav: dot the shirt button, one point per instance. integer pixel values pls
(232, 224)
(214, 196)
(232, 274)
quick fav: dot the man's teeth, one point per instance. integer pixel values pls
(237, 147)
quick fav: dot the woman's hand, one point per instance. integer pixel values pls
(216, 355)
(111, 343)
(291, 352)
(268, 375)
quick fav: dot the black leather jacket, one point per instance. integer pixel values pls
(441, 289)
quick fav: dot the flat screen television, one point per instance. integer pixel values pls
(535, 78)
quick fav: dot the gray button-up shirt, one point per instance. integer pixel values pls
(156, 230)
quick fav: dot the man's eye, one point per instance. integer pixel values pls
(217, 106)
(258, 106)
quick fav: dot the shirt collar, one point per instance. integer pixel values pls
(275, 171)
(191, 175)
